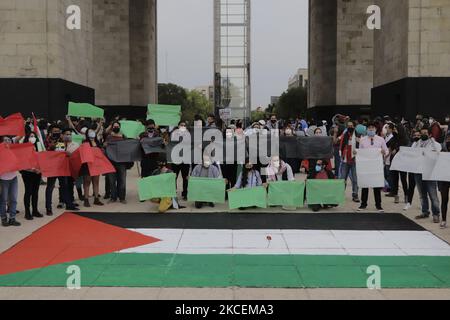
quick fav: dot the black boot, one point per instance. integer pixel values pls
(37, 214)
(80, 194)
(28, 215)
(5, 222)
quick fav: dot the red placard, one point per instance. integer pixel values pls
(26, 154)
(14, 125)
(54, 164)
(9, 162)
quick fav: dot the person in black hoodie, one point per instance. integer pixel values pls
(394, 142)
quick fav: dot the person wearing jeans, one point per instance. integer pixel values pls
(118, 182)
(8, 196)
(348, 145)
(427, 189)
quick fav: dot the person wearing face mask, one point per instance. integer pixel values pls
(273, 124)
(31, 179)
(182, 168)
(8, 195)
(206, 170)
(91, 139)
(278, 170)
(149, 162)
(427, 189)
(165, 204)
(321, 171)
(392, 177)
(348, 145)
(411, 176)
(249, 177)
(54, 142)
(372, 141)
(117, 180)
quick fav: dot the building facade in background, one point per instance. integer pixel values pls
(300, 79)
(402, 69)
(207, 92)
(110, 61)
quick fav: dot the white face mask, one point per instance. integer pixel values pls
(183, 129)
(91, 135)
(277, 164)
(207, 164)
(229, 134)
(288, 132)
(32, 140)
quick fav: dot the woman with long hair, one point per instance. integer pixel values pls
(31, 180)
(91, 138)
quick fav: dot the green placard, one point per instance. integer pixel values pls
(325, 192)
(287, 194)
(164, 115)
(131, 129)
(85, 110)
(160, 186)
(206, 190)
(78, 138)
(249, 197)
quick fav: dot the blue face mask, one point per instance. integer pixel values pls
(371, 134)
(318, 168)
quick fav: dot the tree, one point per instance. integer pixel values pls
(292, 103)
(191, 102)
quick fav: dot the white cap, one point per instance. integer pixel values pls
(262, 122)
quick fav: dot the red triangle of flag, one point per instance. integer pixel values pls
(69, 238)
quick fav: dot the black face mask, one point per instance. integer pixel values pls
(151, 130)
(351, 130)
(424, 138)
(116, 130)
(274, 121)
(56, 136)
(416, 139)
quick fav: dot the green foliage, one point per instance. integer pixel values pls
(192, 102)
(292, 103)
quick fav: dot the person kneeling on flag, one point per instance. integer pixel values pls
(206, 170)
(321, 171)
(165, 204)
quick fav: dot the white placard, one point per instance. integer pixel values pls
(370, 168)
(430, 159)
(441, 171)
(408, 160)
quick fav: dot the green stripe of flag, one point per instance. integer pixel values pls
(258, 271)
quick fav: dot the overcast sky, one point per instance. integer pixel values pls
(279, 44)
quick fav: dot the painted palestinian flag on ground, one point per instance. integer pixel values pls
(226, 250)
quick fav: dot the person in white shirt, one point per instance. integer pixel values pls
(428, 189)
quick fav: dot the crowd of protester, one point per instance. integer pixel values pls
(349, 135)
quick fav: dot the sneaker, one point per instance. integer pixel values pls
(5, 223)
(356, 200)
(422, 217)
(362, 208)
(397, 200)
(380, 210)
(49, 213)
(60, 206)
(407, 207)
(212, 205)
(86, 203)
(436, 219)
(73, 208)
(444, 225)
(14, 223)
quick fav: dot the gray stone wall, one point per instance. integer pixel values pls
(322, 53)
(354, 56)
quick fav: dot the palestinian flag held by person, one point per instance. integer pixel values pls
(14, 125)
(223, 250)
(41, 146)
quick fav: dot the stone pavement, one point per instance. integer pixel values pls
(10, 236)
